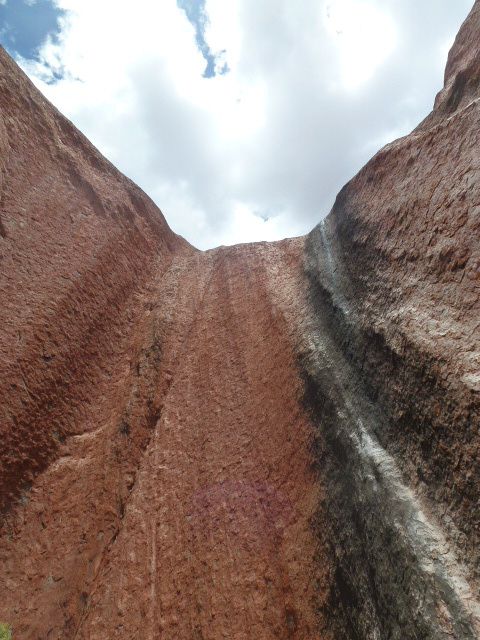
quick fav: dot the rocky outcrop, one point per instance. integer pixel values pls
(276, 440)
(80, 248)
(395, 275)
(396, 267)
(78, 242)
(462, 75)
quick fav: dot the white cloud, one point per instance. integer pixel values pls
(314, 89)
(364, 36)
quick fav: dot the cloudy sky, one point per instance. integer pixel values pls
(241, 118)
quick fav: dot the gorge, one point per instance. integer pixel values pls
(268, 440)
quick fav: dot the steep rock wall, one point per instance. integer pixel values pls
(277, 440)
(394, 272)
(81, 247)
(77, 241)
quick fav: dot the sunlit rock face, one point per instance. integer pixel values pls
(274, 440)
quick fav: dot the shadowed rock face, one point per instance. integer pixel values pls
(274, 440)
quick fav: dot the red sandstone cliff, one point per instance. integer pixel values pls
(78, 242)
(404, 238)
(277, 440)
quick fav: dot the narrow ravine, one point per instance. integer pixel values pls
(269, 441)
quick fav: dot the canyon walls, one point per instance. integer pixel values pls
(80, 249)
(272, 440)
(78, 241)
(394, 274)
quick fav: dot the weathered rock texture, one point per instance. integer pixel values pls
(275, 440)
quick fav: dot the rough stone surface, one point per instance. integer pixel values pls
(274, 440)
(78, 241)
(400, 258)
(394, 274)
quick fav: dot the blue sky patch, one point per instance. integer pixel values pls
(26, 24)
(195, 12)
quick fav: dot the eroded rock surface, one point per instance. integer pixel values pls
(275, 440)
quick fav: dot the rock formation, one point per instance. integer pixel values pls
(274, 440)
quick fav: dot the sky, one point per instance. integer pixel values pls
(241, 119)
